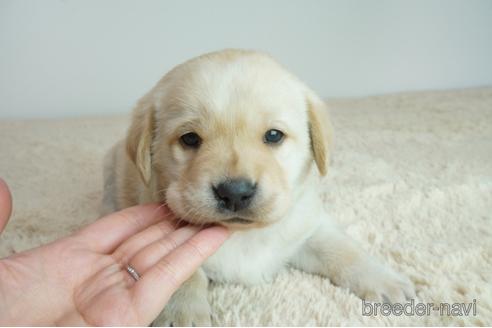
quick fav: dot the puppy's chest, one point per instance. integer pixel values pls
(256, 256)
(247, 259)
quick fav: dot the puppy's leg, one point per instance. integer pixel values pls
(331, 253)
(189, 304)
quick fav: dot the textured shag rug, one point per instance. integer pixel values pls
(411, 181)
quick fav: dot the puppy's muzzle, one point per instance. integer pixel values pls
(234, 194)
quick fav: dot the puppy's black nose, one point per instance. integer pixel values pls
(235, 195)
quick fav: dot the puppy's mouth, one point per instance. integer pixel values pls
(238, 220)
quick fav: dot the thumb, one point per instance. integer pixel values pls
(5, 204)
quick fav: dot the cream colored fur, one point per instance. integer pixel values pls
(410, 181)
(231, 99)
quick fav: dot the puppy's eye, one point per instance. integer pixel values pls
(191, 140)
(273, 136)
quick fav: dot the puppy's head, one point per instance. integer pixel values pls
(229, 137)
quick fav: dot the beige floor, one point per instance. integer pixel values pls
(411, 180)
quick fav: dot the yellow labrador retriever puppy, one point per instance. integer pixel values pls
(232, 138)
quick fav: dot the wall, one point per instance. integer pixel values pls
(71, 58)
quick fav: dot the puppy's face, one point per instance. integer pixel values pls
(231, 135)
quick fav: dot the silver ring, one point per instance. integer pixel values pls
(132, 272)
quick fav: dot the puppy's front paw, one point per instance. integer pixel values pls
(375, 282)
(185, 313)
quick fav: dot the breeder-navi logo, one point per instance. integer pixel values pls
(419, 309)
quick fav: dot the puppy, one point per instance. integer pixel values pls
(232, 138)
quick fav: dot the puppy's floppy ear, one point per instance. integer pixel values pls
(139, 139)
(320, 131)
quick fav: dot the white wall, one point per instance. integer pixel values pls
(70, 58)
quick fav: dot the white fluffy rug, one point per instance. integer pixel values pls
(411, 180)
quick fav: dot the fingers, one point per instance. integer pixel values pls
(152, 253)
(5, 204)
(137, 242)
(106, 234)
(174, 269)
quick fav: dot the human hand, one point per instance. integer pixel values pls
(5, 204)
(82, 279)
